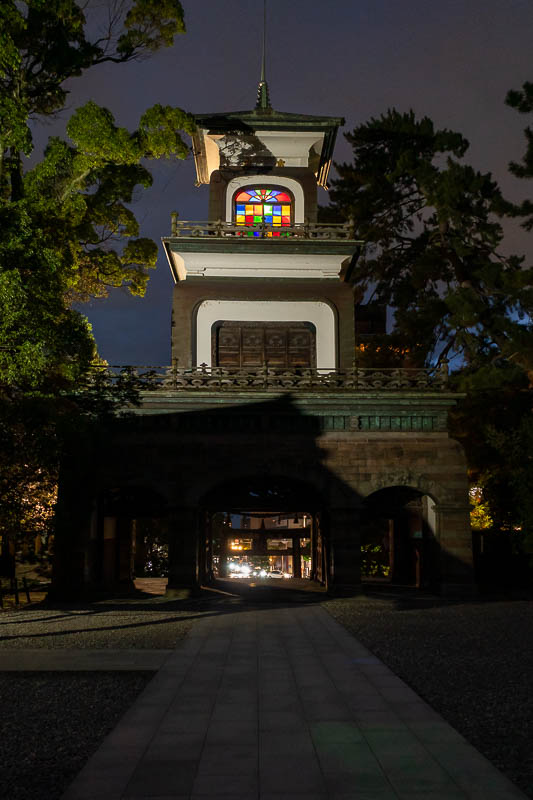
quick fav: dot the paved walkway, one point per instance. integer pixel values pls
(282, 704)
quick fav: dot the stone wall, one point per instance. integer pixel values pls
(176, 451)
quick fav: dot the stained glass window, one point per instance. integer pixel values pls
(269, 205)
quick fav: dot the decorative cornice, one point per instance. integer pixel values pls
(221, 380)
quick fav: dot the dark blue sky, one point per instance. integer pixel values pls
(452, 60)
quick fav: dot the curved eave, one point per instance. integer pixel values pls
(264, 120)
(348, 249)
(252, 121)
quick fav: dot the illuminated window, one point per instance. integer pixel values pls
(240, 544)
(271, 206)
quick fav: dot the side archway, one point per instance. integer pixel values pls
(399, 537)
(422, 540)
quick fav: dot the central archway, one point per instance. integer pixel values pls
(263, 527)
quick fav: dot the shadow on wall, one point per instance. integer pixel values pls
(175, 466)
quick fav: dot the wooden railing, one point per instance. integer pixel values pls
(305, 230)
(274, 379)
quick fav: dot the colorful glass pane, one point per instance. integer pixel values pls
(263, 205)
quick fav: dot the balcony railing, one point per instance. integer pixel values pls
(343, 231)
(274, 379)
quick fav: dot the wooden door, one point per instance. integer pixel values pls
(244, 345)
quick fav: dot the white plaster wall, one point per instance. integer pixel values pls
(291, 146)
(257, 265)
(262, 180)
(319, 313)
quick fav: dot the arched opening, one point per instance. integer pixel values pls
(398, 543)
(289, 185)
(308, 326)
(133, 538)
(270, 206)
(263, 530)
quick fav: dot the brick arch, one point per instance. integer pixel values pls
(408, 480)
(251, 490)
(303, 469)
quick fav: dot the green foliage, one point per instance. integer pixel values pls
(493, 422)
(79, 192)
(150, 24)
(522, 101)
(432, 230)
(63, 224)
(28, 464)
(158, 131)
(66, 229)
(374, 561)
(152, 542)
(45, 42)
(42, 341)
(480, 518)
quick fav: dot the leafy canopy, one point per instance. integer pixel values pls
(432, 231)
(432, 227)
(522, 101)
(67, 231)
(45, 42)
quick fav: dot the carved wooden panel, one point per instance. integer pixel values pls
(254, 344)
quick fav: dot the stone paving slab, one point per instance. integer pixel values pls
(66, 660)
(282, 704)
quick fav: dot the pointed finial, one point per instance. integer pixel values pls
(263, 98)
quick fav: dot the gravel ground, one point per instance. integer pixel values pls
(154, 623)
(50, 723)
(472, 661)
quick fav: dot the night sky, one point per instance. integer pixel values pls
(452, 60)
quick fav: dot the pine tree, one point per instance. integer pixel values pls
(433, 234)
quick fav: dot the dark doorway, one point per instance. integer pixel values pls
(398, 542)
(132, 536)
(151, 547)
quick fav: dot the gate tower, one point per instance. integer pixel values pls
(264, 407)
(261, 284)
